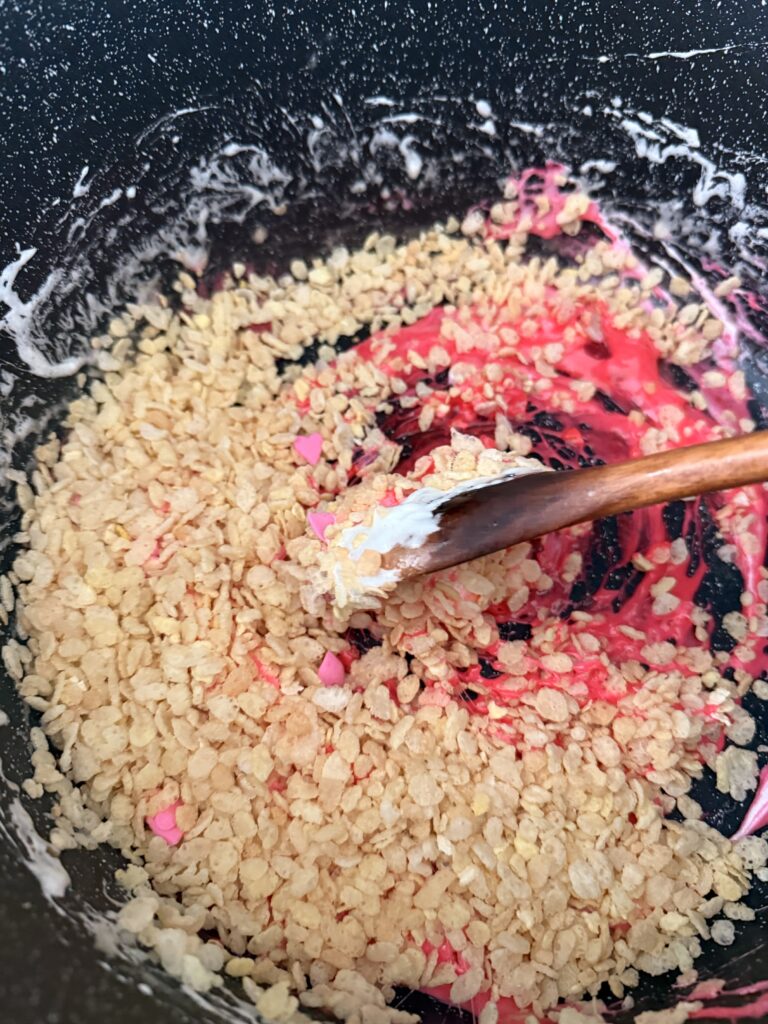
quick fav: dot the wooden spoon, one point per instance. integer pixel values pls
(499, 515)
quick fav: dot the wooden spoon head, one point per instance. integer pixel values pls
(500, 514)
(477, 523)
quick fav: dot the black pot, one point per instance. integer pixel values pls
(136, 135)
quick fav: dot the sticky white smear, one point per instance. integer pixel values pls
(385, 138)
(713, 182)
(81, 188)
(684, 54)
(19, 319)
(408, 525)
(49, 871)
(17, 827)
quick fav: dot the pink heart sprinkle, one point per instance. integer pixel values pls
(165, 819)
(309, 447)
(163, 824)
(331, 670)
(319, 522)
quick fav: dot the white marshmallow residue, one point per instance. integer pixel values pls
(407, 525)
(19, 318)
(49, 871)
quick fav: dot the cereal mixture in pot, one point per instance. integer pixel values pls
(464, 787)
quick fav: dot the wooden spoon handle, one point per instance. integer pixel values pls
(505, 514)
(666, 476)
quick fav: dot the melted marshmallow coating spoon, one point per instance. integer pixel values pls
(495, 514)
